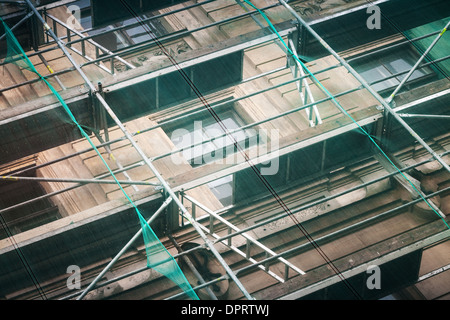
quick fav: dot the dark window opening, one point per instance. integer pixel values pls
(381, 69)
(24, 217)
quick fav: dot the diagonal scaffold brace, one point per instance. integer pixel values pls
(386, 104)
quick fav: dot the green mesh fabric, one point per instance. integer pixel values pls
(158, 258)
(440, 50)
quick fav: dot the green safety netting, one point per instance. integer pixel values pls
(441, 48)
(158, 258)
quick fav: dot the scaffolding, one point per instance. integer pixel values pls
(176, 198)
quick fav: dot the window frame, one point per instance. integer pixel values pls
(383, 57)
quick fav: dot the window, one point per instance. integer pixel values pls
(186, 133)
(387, 64)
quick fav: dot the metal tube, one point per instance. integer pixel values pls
(425, 99)
(434, 116)
(131, 49)
(18, 3)
(212, 106)
(178, 295)
(364, 83)
(243, 81)
(115, 29)
(174, 11)
(230, 207)
(167, 188)
(260, 75)
(83, 37)
(433, 273)
(360, 269)
(284, 253)
(254, 123)
(415, 192)
(119, 165)
(61, 85)
(133, 272)
(243, 254)
(333, 235)
(179, 118)
(403, 42)
(74, 154)
(259, 23)
(307, 88)
(192, 267)
(162, 123)
(404, 72)
(220, 104)
(328, 236)
(36, 79)
(18, 24)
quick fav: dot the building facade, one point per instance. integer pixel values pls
(277, 150)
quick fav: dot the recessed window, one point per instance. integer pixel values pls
(204, 127)
(387, 65)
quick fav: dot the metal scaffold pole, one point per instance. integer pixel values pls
(147, 161)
